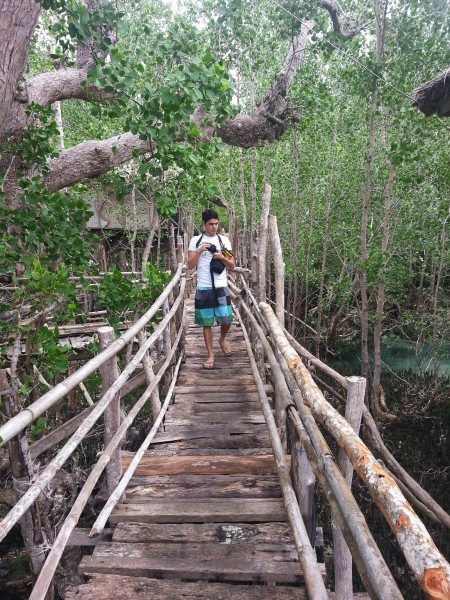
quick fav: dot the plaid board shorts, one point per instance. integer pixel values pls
(208, 308)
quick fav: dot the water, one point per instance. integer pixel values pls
(404, 355)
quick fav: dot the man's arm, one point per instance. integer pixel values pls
(194, 255)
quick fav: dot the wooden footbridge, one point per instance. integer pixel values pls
(218, 500)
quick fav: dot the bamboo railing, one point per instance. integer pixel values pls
(305, 408)
(299, 407)
(109, 405)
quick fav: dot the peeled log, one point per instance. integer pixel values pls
(430, 568)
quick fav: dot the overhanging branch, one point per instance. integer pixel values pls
(350, 27)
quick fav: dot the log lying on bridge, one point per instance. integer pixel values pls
(430, 568)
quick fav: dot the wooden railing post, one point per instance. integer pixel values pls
(343, 580)
(109, 372)
(279, 269)
(262, 245)
(147, 363)
(168, 331)
(303, 481)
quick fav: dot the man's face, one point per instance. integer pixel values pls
(211, 227)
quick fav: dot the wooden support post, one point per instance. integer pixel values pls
(254, 258)
(262, 246)
(279, 269)
(343, 580)
(109, 372)
(303, 480)
(180, 249)
(173, 261)
(167, 333)
(147, 363)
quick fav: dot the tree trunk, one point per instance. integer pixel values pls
(307, 252)
(378, 404)
(17, 22)
(253, 229)
(262, 246)
(294, 230)
(279, 269)
(154, 222)
(325, 238)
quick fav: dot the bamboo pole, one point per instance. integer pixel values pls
(150, 376)
(376, 441)
(282, 393)
(343, 578)
(59, 434)
(279, 269)
(109, 372)
(303, 480)
(306, 555)
(429, 567)
(32, 412)
(369, 561)
(71, 521)
(114, 498)
(262, 244)
(53, 467)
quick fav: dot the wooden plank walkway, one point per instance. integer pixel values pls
(203, 516)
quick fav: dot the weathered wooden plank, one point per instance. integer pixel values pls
(211, 452)
(214, 418)
(239, 408)
(234, 429)
(196, 364)
(202, 486)
(164, 438)
(80, 537)
(225, 533)
(245, 441)
(105, 587)
(199, 551)
(198, 465)
(234, 388)
(225, 570)
(196, 510)
(218, 397)
(208, 377)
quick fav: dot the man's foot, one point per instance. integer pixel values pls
(226, 348)
(209, 363)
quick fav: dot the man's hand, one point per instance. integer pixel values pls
(228, 262)
(203, 247)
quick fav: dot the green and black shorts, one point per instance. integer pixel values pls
(213, 306)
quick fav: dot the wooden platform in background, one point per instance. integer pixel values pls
(203, 516)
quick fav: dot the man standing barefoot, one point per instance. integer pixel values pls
(212, 297)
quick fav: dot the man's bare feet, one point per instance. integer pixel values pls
(209, 363)
(226, 348)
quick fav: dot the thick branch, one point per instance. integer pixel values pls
(93, 158)
(62, 84)
(350, 25)
(270, 120)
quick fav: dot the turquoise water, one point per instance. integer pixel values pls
(404, 355)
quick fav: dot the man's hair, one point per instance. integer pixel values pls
(208, 214)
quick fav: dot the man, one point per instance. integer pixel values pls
(212, 297)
